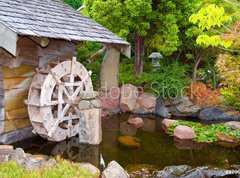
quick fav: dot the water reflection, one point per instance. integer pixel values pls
(156, 148)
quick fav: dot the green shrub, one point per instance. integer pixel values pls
(167, 82)
(85, 51)
(63, 169)
(231, 95)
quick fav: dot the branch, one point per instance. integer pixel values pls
(233, 3)
(228, 29)
(231, 50)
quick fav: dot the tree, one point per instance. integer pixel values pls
(152, 24)
(128, 19)
(74, 3)
(210, 20)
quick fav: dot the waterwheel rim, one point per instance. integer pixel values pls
(54, 115)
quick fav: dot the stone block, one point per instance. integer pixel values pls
(90, 127)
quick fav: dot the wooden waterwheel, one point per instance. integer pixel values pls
(54, 96)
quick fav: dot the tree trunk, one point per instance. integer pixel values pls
(196, 68)
(139, 54)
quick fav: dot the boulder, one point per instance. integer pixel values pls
(161, 110)
(94, 170)
(114, 170)
(185, 171)
(110, 100)
(45, 164)
(235, 125)
(213, 113)
(182, 106)
(4, 158)
(30, 164)
(173, 171)
(18, 156)
(136, 122)
(147, 101)
(226, 138)
(143, 111)
(184, 133)
(129, 95)
(166, 124)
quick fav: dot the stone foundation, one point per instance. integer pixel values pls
(16, 136)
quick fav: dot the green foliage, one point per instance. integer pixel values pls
(74, 3)
(63, 169)
(169, 24)
(231, 95)
(169, 81)
(121, 17)
(206, 133)
(211, 17)
(229, 69)
(85, 51)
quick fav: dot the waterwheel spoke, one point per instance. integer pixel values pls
(85, 78)
(73, 64)
(56, 96)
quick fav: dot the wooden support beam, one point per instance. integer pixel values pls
(123, 49)
(96, 55)
(43, 42)
(8, 39)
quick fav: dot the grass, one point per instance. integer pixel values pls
(63, 169)
(206, 133)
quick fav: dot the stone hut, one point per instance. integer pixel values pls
(39, 85)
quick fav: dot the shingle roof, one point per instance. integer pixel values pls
(53, 19)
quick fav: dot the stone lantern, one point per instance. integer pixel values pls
(155, 56)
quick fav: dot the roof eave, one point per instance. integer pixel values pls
(8, 39)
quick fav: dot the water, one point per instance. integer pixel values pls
(157, 148)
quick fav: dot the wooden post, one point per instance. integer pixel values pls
(109, 71)
(2, 102)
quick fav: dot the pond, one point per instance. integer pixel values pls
(156, 148)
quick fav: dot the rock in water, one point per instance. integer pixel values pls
(114, 170)
(184, 133)
(129, 95)
(129, 141)
(166, 124)
(235, 125)
(226, 138)
(136, 122)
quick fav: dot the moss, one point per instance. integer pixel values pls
(63, 169)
